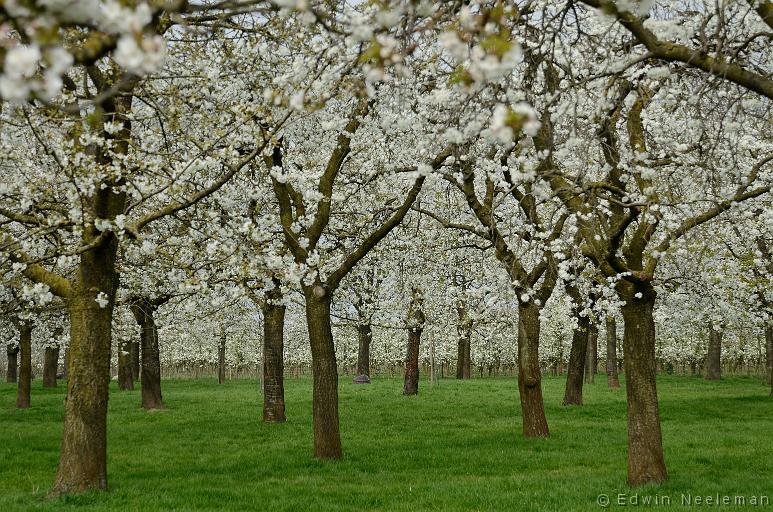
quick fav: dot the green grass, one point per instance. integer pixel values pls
(456, 446)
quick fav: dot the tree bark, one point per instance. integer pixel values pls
(464, 329)
(714, 356)
(645, 444)
(273, 358)
(12, 352)
(411, 384)
(327, 437)
(125, 377)
(365, 336)
(150, 383)
(592, 353)
(769, 345)
(529, 378)
(613, 380)
(221, 358)
(577, 357)
(134, 358)
(83, 460)
(50, 366)
(25, 368)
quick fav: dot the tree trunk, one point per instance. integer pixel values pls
(769, 345)
(221, 358)
(25, 369)
(365, 336)
(151, 363)
(613, 381)
(591, 354)
(577, 357)
(273, 359)
(464, 329)
(12, 352)
(83, 460)
(327, 437)
(125, 377)
(50, 366)
(134, 358)
(714, 356)
(411, 385)
(529, 379)
(645, 445)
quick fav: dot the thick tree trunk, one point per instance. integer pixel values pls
(151, 363)
(577, 357)
(411, 385)
(327, 437)
(134, 358)
(365, 336)
(529, 378)
(592, 353)
(50, 366)
(83, 461)
(25, 368)
(714, 356)
(273, 359)
(221, 358)
(645, 445)
(12, 352)
(125, 377)
(613, 380)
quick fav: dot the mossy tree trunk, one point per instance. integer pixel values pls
(327, 437)
(613, 380)
(273, 357)
(50, 365)
(535, 423)
(150, 384)
(646, 463)
(364, 338)
(125, 377)
(25, 368)
(577, 357)
(221, 357)
(592, 353)
(714, 355)
(769, 345)
(411, 383)
(464, 331)
(12, 353)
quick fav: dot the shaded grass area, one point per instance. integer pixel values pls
(456, 446)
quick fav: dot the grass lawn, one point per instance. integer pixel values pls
(456, 446)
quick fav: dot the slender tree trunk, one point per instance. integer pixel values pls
(577, 357)
(25, 369)
(411, 385)
(613, 381)
(529, 378)
(645, 444)
(714, 356)
(134, 359)
(151, 362)
(12, 352)
(364, 336)
(464, 330)
(592, 353)
(273, 359)
(327, 437)
(50, 366)
(221, 358)
(125, 378)
(769, 345)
